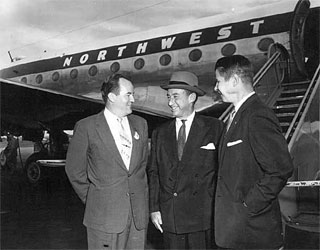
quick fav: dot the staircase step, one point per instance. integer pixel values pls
(291, 85)
(287, 107)
(287, 124)
(285, 118)
(293, 92)
(284, 125)
(289, 100)
(280, 111)
(296, 90)
(285, 114)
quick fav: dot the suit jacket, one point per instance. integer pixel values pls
(100, 178)
(254, 165)
(183, 191)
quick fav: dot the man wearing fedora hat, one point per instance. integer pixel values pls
(183, 167)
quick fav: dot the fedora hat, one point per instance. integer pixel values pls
(184, 80)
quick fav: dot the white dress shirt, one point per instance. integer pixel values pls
(113, 123)
(188, 123)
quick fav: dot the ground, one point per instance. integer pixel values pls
(47, 215)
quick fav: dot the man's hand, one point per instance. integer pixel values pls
(156, 220)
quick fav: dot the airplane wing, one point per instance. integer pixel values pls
(29, 107)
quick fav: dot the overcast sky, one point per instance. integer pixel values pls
(30, 27)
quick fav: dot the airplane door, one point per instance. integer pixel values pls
(300, 15)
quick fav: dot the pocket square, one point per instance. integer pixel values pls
(232, 143)
(136, 135)
(209, 146)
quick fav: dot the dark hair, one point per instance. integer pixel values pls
(235, 65)
(111, 84)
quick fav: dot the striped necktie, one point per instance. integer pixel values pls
(126, 144)
(230, 119)
(181, 139)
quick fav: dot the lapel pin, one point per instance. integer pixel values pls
(136, 135)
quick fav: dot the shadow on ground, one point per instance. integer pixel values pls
(47, 215)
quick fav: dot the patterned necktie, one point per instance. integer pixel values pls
(181, 139)
(125, 147)
(230, 119)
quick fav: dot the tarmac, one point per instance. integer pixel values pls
(47, 215)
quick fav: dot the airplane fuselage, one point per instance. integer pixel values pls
(150, 57)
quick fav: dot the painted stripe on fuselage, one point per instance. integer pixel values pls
(153, 73)
(223, 33)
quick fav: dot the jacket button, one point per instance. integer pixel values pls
(219, 177)
(175, 194)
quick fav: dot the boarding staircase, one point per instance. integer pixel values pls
(291, 101)
(288, 102)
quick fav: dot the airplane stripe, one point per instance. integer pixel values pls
(222, 33)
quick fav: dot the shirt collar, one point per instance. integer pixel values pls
(237, 107)
(188, 120)
(111, 116)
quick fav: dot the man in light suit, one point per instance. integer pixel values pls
(181, 178)
(254, 164)
(106, 164)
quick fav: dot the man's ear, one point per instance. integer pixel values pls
(111, 97)
(236, 80)
(192, 97)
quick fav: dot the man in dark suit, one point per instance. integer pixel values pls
(254, 164)
(183, 167)
(106, 164)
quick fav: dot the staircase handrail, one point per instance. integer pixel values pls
(256, 79)
(313, 86)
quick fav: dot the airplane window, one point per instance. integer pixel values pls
(55, 76)
(264, 43)
(24, 79)
(165, 59)
(115, 67)
(39, 79)
(93, 70)
(73, 73)
(228, 50)
(139, 63)
(195, 55)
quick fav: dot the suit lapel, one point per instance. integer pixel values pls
(197, 132)
(195, 137)
(170, 140)
(222, 141)
(136, 144)
(227, 134)
(108, 140)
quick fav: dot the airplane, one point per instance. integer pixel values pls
(53, 92)
(37, 87)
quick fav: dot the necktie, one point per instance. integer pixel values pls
(231, 116)
(181, 139)
(125, 147)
